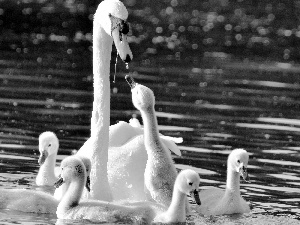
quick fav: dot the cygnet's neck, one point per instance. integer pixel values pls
(72, 196)
(102, 47)
(151, 135)
(177, 208)
(233, 181)
(46, 171)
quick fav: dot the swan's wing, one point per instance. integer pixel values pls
(170, 145)
(85, 149)
(121, 132)
(134, 122)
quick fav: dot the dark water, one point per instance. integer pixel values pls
(214, 108)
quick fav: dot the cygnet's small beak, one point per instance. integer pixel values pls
(243, 172)
(59, 182)
(130, 81)
(88, 183)
(195, 194)
(43, 157)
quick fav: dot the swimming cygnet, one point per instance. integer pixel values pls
(73, 173)
(48, 147)
(35, 201)
(59, 192)
(229, 201)
(160, 172)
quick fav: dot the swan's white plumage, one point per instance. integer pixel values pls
(127, 159)
(97, 146)
(73, 173)
(217, 201)
(48, 147)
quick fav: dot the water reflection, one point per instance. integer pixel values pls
(212, 110)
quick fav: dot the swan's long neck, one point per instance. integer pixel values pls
(151, 135)
(233, 182)
(102, 47)
(46, 171)
(72, 197)
(177, 209)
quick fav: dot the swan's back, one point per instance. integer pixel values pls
(28, 201)
(126, 166)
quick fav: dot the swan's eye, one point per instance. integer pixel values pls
(238, 161)
(190, 183)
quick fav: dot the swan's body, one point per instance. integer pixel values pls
(108, 21)
(127, 157)
(28, 201)
(74, 174)
(48, 147)
(229, 201)
(160, 172)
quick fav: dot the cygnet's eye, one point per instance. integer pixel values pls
(190, 183)
(49, 145)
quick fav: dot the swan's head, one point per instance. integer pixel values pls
(238, 162)
(72, 168)
(142, 96)
(48, 145)
(188, 182)
(111, 15)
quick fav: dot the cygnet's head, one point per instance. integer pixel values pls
(72, 168)
(48, 145)
(188, 182)
(238, 162)
(111, 15)
(142, 97)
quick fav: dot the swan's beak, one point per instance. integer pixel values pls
(88, 183)
(243, 172)
(122, 45)
(43, 157)
(195, 195)
(59, 182)
(130, 81)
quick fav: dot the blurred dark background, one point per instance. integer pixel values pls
(185, 31)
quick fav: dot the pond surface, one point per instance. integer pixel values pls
(214, 109)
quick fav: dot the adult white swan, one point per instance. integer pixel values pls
(229, 201)
(124, 162)
(73, 173)
(108, 26)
